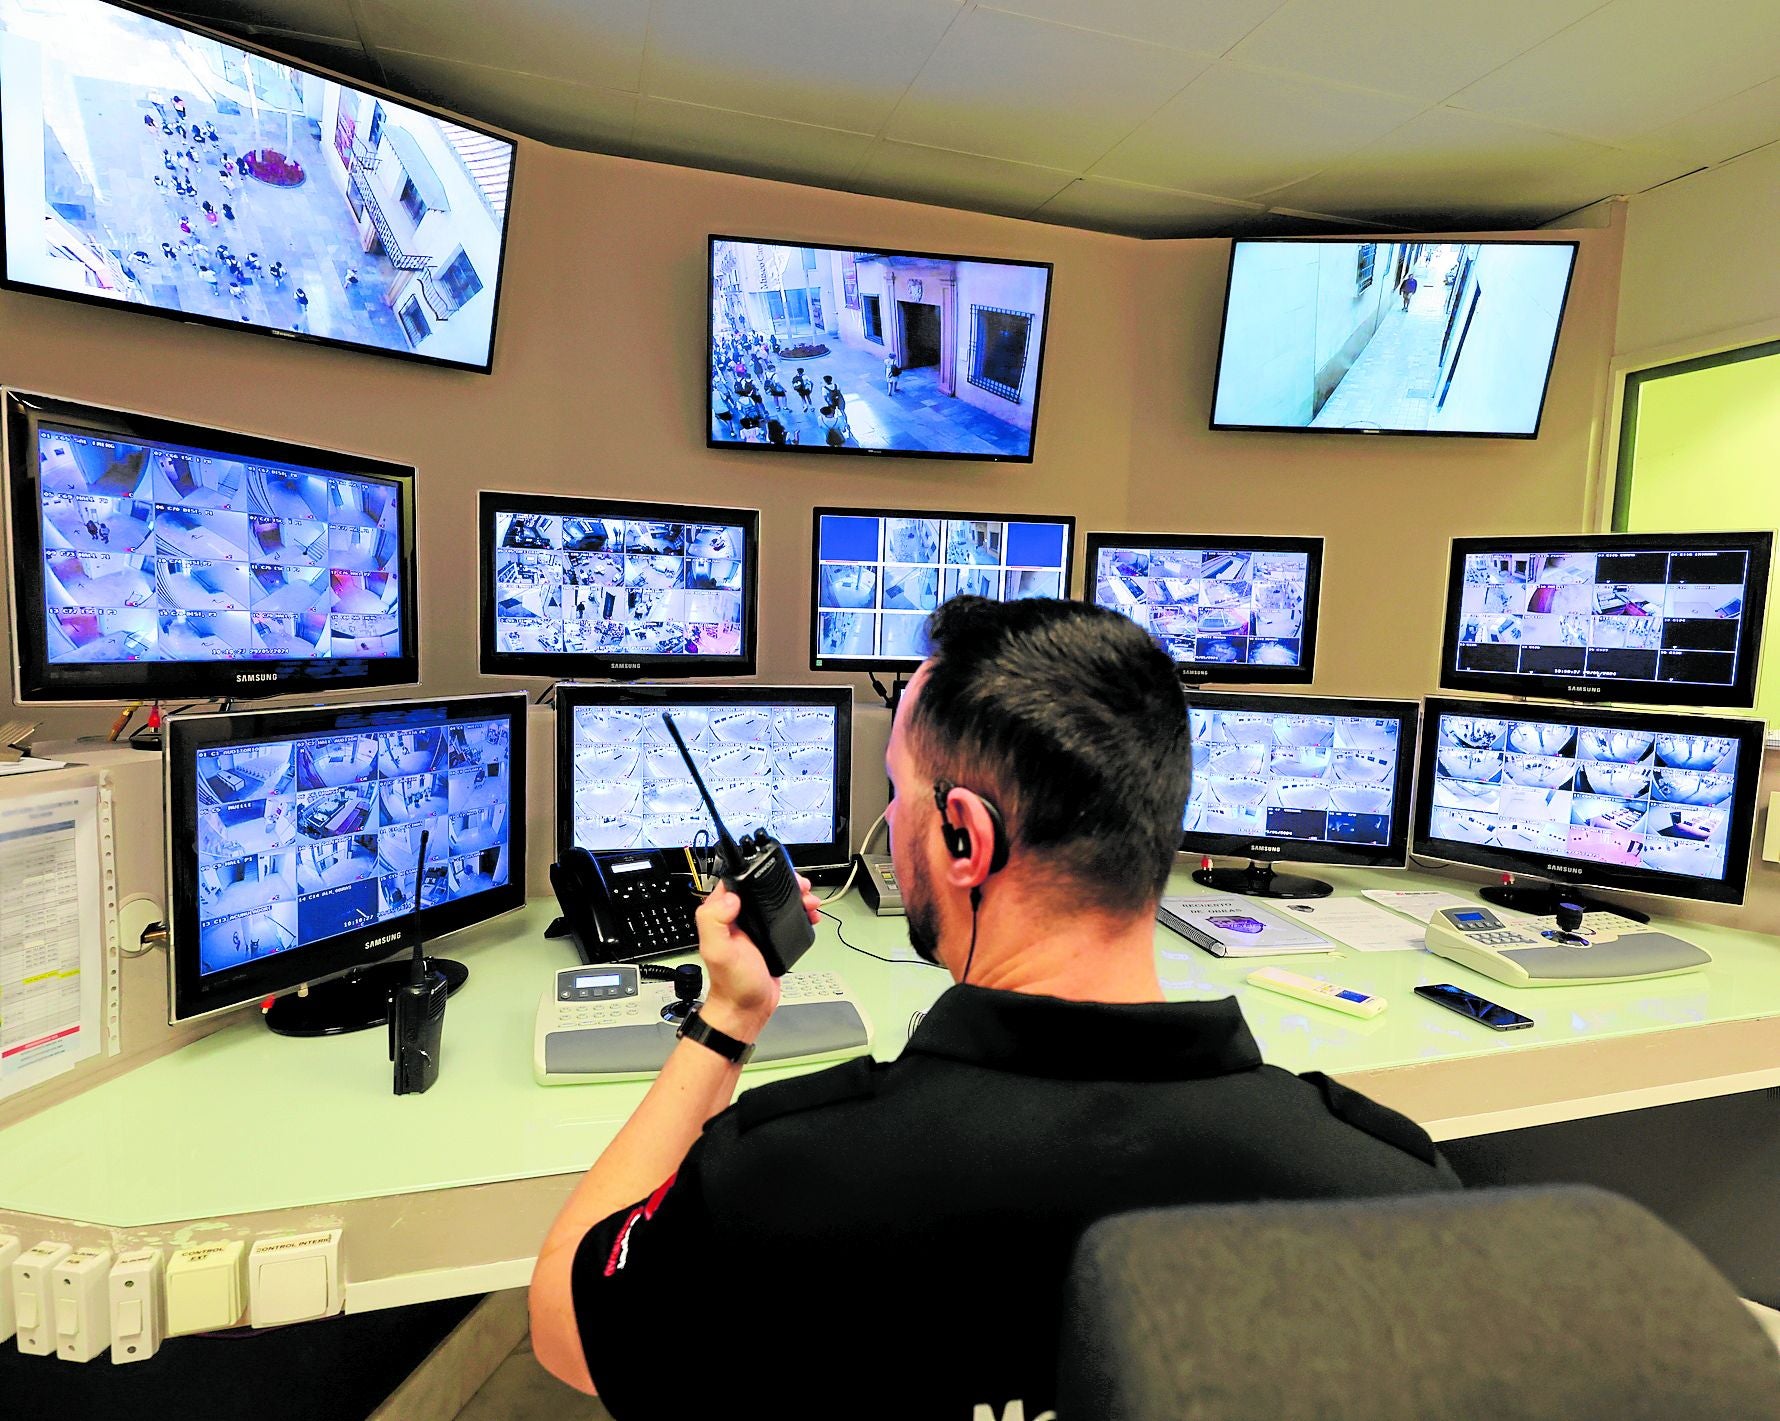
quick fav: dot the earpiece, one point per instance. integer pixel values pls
(957, 837)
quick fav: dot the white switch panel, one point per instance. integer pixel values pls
(138, 1306)
(9, 1250)
(295, 1278)
(32, 1298)
(83, 1309)
(204, 1288)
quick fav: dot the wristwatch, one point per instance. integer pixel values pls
(696, 1028)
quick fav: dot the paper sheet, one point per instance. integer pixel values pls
(52, 945)
(30, 766)
(1363, 926)
(1419, 903)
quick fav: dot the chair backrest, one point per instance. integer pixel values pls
(1541, 1304)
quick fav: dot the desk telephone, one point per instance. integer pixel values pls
(624, 905)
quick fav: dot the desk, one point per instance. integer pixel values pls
(244, 1133)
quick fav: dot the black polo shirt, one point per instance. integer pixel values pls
(891, 1239)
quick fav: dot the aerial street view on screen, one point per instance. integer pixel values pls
(768, 767)
(299, 840)
(159, 553)
(604, 585)
(1224, 606)
(814, 346)
(1270, 776)
(1435, 337)
(179, 172)
(1629, 797)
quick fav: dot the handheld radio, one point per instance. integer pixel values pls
(761, 875)
(417, 1010)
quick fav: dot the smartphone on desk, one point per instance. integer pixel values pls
(1479, 1009)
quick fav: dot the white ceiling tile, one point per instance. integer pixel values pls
(1032, 92)
(310, 17)
(1634, 65)
(1404, 46)
(1205, 26)
(551, 110)
(1236, 132)
(599, 45)
(701, 137)
(1140, 211)
(812, 61)
(1722, 130)
(921, 174)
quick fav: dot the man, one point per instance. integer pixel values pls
(891, 1239)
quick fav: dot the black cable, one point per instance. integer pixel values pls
(878, 686)
(904, 961)
(976, 904)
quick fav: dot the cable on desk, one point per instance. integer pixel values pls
(863, 952)
(858, 858)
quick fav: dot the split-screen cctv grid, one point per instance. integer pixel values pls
(1559, 787)
(605, 585)
(1208, 604)
(768, 767)
(1637, 615)
(878, 578)
(158, 553)
(1317, 777)
(299, 840)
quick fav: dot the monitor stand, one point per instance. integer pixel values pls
(1259, 880)
(1540, 900)
(357, 1001)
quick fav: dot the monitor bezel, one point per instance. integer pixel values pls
(1750, 736)
(1426, 240)
(573, 665)
(190, 26)
(1582, 690)
(191, 994)
(833, 853)
(1241, 673)
(704, 384)
(819, 662)
(1267, 848)
(37, 681)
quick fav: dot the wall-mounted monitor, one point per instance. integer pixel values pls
(158, 560)
(1408, 337)
(878, 573)
(1665, 619)
(1646, 802)
(845, 350)
(583, 587)
(778, 758)
(1225, 608)
(150, 164)
(294, 838)
(1307, 779)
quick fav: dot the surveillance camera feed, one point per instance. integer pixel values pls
(303, 839)
(1637, 613)
(154, 166)
(899, 353)
(159, 552)
(768, 767)
(878, 577)
(614, 585)
(1210, 605)
(1633, 798)
(1323, 778)
(1405, 337)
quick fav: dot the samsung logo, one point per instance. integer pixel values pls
(384, 941)
(256, 676)
(627, 666)
(1560, 868)
(1263, 849)
(1584, 689)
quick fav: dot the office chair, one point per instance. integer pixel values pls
(1540, 1304)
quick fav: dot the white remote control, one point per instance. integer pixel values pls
(1324, 994)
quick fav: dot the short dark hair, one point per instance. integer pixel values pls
(1071, 719)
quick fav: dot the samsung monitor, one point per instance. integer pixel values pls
(1408, 337)
(594, 587)
(153, 165)
(878, 573)
(1666, 618)
(1579, 798)
(841, 350)
(1225, 608)
(1308, 779)
(778, 758)
(293, 845)
(156, 560)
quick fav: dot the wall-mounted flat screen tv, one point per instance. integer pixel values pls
(847, 351)
(153, 165)
(1411, 337)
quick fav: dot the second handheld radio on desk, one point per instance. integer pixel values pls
(761, 875)
(417, 1010)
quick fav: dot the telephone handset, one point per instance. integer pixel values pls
(623, 904)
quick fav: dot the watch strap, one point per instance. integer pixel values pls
(696, 1028)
